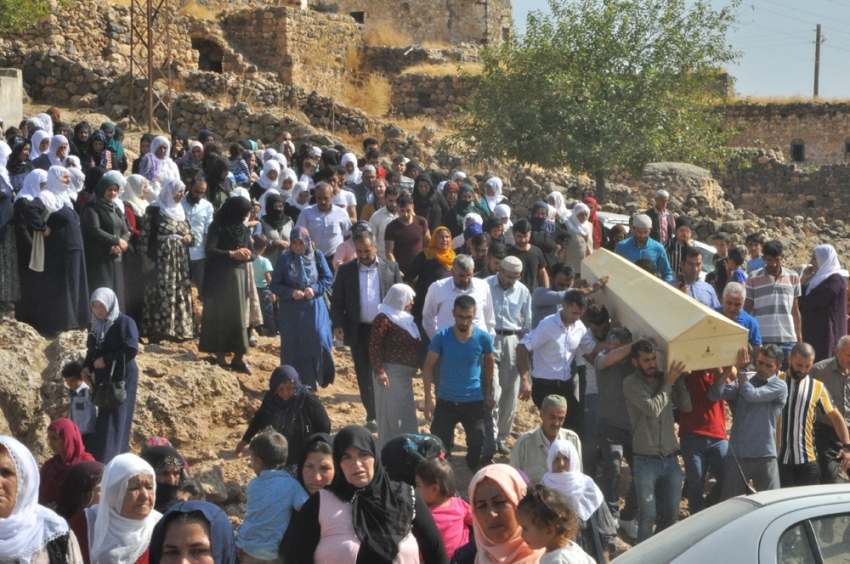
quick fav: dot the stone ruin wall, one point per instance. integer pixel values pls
(439, 97)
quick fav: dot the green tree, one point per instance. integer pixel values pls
(603, 85)
(20, 15)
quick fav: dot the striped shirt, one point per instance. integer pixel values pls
(773, 299)
(675, 254)
(795, 429)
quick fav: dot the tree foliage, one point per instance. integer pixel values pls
(20, 15)
(602, 85)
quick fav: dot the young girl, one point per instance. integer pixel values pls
(548, 522)
(308, 171)
(435, 484)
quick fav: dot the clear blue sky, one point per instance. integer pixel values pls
(777, 39)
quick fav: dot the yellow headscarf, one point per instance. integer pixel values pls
(432, 252)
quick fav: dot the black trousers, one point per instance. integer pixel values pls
(363, 369)
(540, 388)
(447, 414)
(828, 445)
(791, 475)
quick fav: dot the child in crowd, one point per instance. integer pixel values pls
(308, 170)
(735, 262)
(81, 409)
(272, 497)
(263, 278)
(238, 166)
(191, 489)
(435, 484)
(254, 226)
(754, 242)
(548, 522)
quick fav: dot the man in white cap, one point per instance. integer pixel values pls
(663, 224)
(640, 245)
(512, 306)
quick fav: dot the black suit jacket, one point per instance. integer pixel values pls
(671, 224)
(345, 300)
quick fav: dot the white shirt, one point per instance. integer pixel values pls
(200, 218)
(572, 554)
(326, 229)
(344, 199)
(379, 221)
(556, 346)
(440, 300)
(370, 291)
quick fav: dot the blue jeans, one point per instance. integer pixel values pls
(664, 476)
(700, 453)
(267, 307)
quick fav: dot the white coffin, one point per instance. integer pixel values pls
(684, 329)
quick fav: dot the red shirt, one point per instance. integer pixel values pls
(706, 417)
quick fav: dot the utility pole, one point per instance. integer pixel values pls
(817, 59)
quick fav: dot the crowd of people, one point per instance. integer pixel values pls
(412, 271)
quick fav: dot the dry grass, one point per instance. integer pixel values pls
(384, 33)
(790, 100)
(121, 2)
(191, 8)
(373, 95)
(473, 69)
(435, 44)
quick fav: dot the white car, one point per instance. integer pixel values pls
(803, 525)
(611, 219)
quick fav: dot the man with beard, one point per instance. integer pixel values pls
(835, 375)
(326, 223)
(639, 246)
(807, 397)
(199, 214)
(752, 442)
(384, 216)
(650, 396)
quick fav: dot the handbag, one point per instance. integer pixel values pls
(37, 252)
(111, 393)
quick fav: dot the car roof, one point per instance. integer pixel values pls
(770, 497)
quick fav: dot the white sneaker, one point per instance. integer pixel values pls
(630, 528)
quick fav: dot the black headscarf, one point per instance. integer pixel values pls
(222, 543)
(403, 453)
(181, 134)
(159, 457)
(205, 135)
(100, 192)
(421, 204)
(215, 182)
(13, 165)
(330, 157)
(78, 490)
(302, 456)
(98, 158)
(229, 219)
(82, 146)
(276, 218)
(285, 410)
(382, 510)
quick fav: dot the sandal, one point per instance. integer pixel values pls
(241, 367)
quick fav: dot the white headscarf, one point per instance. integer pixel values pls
(827, 265)
(55, 194)
(296, 190)
(78, 178)
(458, 177)
(133, 194)
(114, 539)
(285, 174)
(280, 159)
(37, 138)
(99, 327)
(503, 211)
(46, 121)
(55, 143)
(165, 200)
(355, 177)
(165, 168)
(496, 184)
(32, 184)
(582, 229)
(241, 193)
(476, 218)
(264, 180)
(5, 151)
(578, 490)
(268, 154)
(561, 213)
(397, 298)
(30, 526)
(264, 198)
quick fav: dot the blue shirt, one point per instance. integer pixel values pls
(749, 323)
(704, 293)
(461, 363)
(512, 307)
(738, 276)
(200, 217)
(653, 250)
(544, 302)
(756, 411)
(272, 496)
(755, 264)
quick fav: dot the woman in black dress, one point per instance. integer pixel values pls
(105, 238)
(60, 280)
(224, 327)
(111, 350)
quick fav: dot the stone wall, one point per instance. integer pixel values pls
(822, 128)
(437, 96)
(302, 47)
(393, 60)
(449, 21)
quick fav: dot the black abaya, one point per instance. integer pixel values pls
(102, 228)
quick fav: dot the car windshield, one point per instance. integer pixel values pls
(671, 543)
(707, 259)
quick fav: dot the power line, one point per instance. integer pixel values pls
(805, 12)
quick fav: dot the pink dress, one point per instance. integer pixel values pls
(339, 543)
(453, 522)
